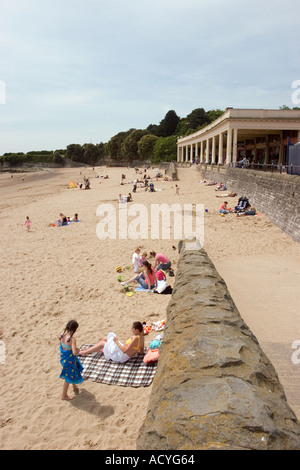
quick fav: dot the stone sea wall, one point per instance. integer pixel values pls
(276, 195)
(214, 387)
(171, 171)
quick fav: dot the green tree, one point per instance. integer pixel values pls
(182, 127)
(57, 157)
(197, 118)
(168, 125)
(130, 144)
(214, 114)
(153, 129)
(91, 154)
(114, 145)
(165, 149)
(75, 152)
(102, 150)
(146, 145)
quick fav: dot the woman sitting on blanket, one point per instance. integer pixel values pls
(114, 350)
(147, 279)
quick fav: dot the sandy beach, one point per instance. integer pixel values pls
(51, 275)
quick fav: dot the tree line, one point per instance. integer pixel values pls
(157, 143)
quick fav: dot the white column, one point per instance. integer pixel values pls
(191, 155)
(196, 151)
(207, 151)
(234, 153)
(186, 153)
(221, 148)
(201, 152)
(229, 147)
(213, 155)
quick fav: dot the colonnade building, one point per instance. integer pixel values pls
(260, 135)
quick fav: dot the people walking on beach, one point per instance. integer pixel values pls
(71, 366)
(116, 351)
(27, 223)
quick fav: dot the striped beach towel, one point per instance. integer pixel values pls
(133, 373)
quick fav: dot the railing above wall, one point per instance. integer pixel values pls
(271, 168)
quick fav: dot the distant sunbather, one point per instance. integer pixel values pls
(228, 195)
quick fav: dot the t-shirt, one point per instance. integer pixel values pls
(224, 207)
(162, 259)
(151, 278)
(135, 261)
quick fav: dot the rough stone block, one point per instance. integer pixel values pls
(214, 387)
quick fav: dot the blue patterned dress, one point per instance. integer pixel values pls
(71, 366)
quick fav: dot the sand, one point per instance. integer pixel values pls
(53, 274)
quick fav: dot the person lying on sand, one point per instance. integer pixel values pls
(116, 351)
(249, 211)
(228, 195)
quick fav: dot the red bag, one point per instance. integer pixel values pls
(151, 356)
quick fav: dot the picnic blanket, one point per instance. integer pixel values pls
(141, 289)
(133, 373)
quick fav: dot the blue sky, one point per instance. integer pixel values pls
(81, 71)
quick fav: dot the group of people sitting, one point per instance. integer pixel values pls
(243, 208)
(144, 184)
(125, 198)
(146, 274)
(64, 220)
(86, 183)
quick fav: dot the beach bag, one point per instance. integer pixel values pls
(151, 356)
(161, 287)
(155, 344)
(146, 328)
(168, 290)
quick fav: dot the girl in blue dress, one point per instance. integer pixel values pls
(71, 366)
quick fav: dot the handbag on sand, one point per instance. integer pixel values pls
(151, 356)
